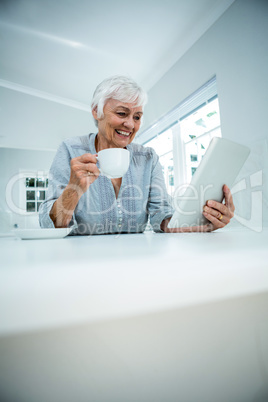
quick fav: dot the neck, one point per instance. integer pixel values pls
(100, 144)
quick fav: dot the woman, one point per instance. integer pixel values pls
(79, 195)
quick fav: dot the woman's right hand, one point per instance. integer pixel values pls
(84, 172)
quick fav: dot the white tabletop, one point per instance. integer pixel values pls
(50, 283)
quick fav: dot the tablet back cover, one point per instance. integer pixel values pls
(220, 165)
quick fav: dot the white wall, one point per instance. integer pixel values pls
(235, 48)
(30, 122)
(11, 162)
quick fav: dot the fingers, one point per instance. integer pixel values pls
(220, 214)
(91, 169)
(218, 206)
(228, 198)
(86, 158)
(83, 169)
(215, 221)
(84, 164)
(217, 209)
(83, 160)
(84, 172)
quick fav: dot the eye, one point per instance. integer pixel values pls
(122, 114)
(137, 117)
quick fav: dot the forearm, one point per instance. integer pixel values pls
(164, 224)
(62, 210)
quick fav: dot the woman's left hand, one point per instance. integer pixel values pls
(220, 214)
(217, 213)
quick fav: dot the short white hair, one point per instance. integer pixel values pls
(119, 87)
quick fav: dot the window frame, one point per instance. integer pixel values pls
(34, 174)
(172, 120)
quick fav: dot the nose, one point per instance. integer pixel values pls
(129, 122)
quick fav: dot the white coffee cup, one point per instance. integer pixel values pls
(114, 162)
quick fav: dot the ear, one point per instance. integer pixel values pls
(94, 113)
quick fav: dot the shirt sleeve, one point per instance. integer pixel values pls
(159, 202)
(59, 176)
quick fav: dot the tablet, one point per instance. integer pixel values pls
(220, 165)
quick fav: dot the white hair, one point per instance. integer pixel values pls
(119, 87)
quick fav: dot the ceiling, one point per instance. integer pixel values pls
(60, 50)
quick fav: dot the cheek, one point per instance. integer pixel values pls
(110, 124)
(115, 122)
(137, 125)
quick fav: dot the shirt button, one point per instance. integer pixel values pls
(120, 219)
(119, 225)
(120, 212)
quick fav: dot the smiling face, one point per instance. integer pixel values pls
(119, 124)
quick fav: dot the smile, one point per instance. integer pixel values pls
(125, 133)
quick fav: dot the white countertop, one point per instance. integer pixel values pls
(52, 283)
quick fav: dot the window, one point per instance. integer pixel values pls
(33, 192)
(197, 130)
(163, 146)
(36, 188)
(181, 138)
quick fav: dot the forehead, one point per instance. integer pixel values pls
(113, 104)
